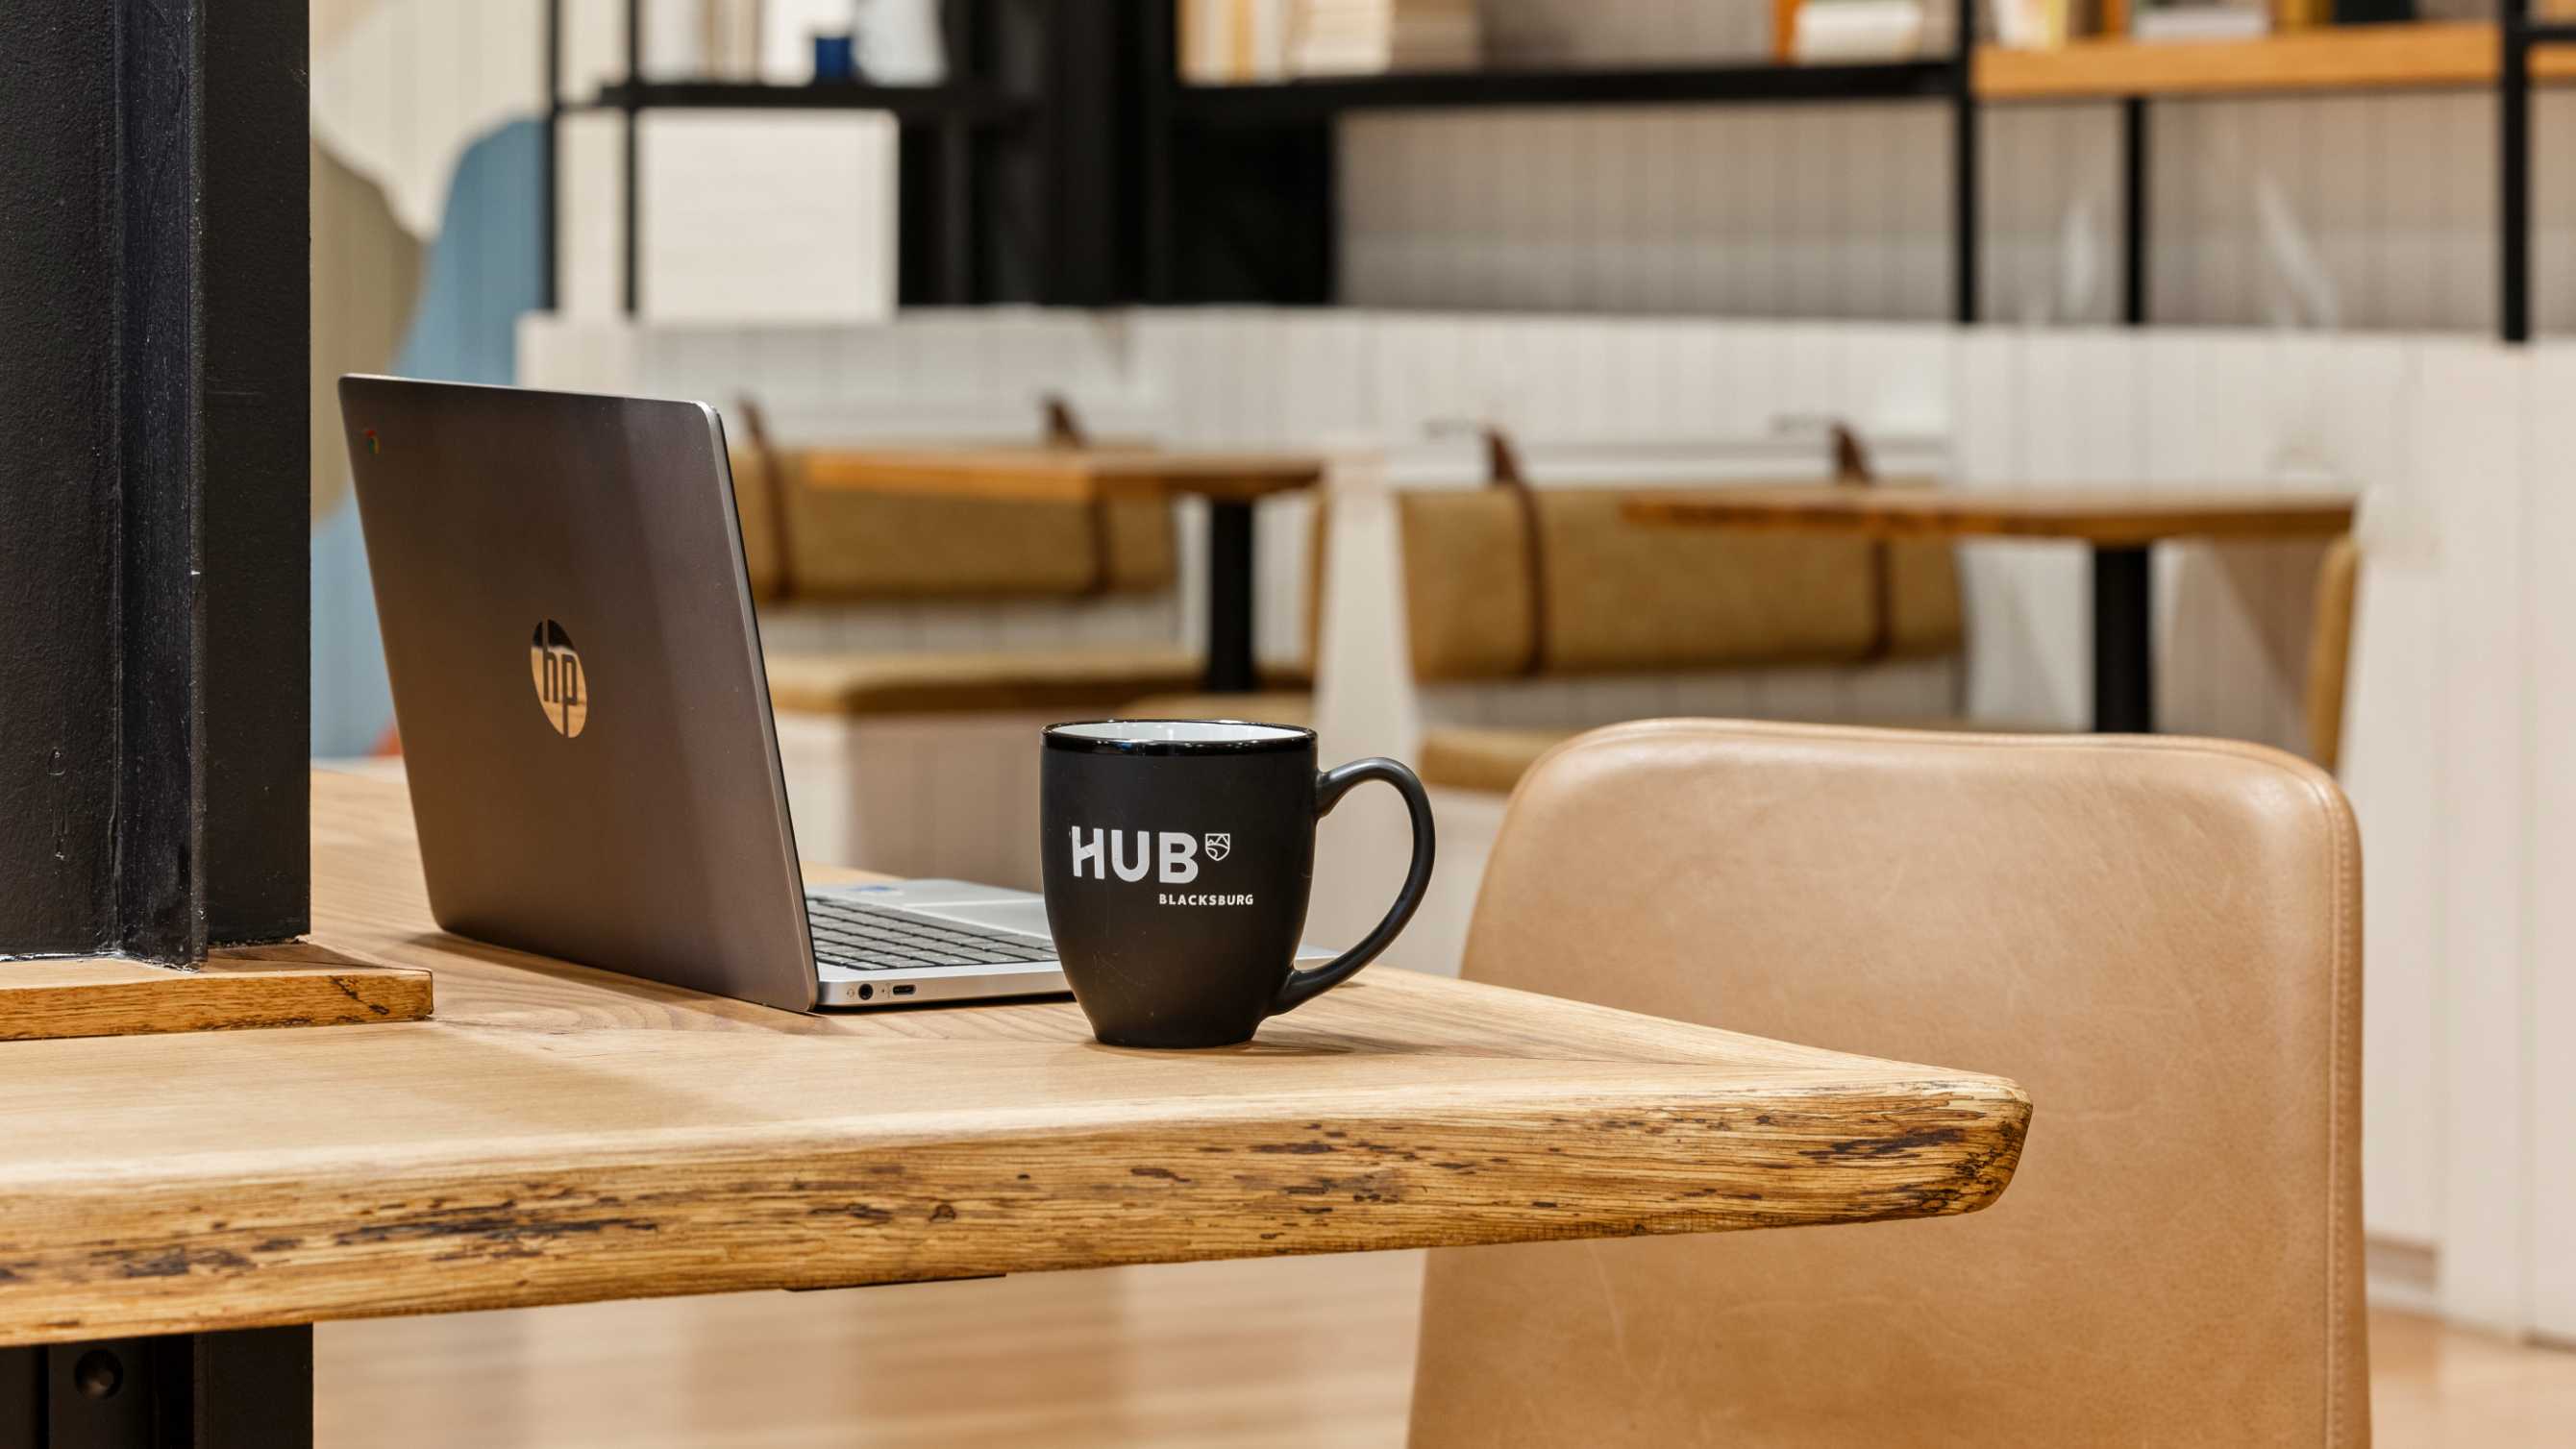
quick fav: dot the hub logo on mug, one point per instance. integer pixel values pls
(1103, 851)
(1131, 808)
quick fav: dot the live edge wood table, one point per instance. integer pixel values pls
(557, 1134)
(1230, 482)
(2121, 527)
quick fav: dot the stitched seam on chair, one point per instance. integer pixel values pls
(2346, 988)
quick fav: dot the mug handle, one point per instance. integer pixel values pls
(1330, 786)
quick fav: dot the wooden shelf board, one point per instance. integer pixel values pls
(909, 103)
(1760, 82)
(295, 983)
(2328, 58)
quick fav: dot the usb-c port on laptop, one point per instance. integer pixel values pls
(902, 990)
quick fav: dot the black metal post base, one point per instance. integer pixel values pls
(2124, 659)
(251, 1389)
(1230, 668)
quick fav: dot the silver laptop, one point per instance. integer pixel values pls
(585, 720)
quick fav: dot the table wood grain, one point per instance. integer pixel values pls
(561, 1134)
(2105, 518)
(1064, 474)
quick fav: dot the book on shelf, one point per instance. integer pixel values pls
(1364, 37)
(1230, 42)
(1848, 31)
(2047, 24)
(1234, 41)
(2162, 20)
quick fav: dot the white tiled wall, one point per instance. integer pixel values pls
(2372, 211)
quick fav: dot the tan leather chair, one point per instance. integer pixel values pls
(2158, 937)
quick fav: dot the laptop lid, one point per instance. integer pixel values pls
(577, 679)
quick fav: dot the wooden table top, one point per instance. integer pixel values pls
(558, 1134)
(2104, 517)
(1063, 474)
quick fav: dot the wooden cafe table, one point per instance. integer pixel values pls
(2121, 526)
(556, 1134)
(1230, 482)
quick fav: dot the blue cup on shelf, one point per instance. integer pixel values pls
(835, 58)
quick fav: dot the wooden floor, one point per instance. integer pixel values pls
(1303, 1352)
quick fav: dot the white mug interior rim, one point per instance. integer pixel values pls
(1177, 731)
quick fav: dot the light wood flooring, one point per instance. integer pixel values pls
(1291, 1352)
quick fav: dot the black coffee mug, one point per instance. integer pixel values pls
(1178, 857)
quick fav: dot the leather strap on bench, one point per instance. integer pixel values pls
(1064, 429)
(1503, 470)
(773, 490)
(1852, 470)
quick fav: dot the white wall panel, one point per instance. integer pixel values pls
(2550, 542)
(2471, 445)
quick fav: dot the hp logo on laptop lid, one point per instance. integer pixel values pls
(563, 692)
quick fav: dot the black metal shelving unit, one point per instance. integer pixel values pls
(940, 124)
(1240, 198)
(2520, 34)
(1310, 99)
(1071, 165)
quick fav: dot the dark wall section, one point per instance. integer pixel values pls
(152, 502)
(256, 401)
(58, 733)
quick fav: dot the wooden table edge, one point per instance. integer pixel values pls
(1530, 1118)
(1039, 477)
(1964, 514)
(219, 1249)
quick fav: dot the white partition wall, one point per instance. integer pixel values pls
(2548, 540)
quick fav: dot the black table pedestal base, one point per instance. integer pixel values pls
(2124, 663)
(250, 1389)
(1230, 665)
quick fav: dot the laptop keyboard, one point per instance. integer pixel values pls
(871, 938)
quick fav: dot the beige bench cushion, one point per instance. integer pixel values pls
(1491, 760)
(1094, 680)
(848, 544)
(1627, 597)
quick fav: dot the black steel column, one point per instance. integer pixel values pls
(1160, 219)
(1963, 165)
(550, 220)
(153, 499)
(632, 159)
(2124, 662)
(1230, 664)
(2134, 218)
(2513, 155)
(956, 132)
(251, 1389)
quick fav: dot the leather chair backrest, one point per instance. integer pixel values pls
(2159, 938)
